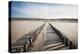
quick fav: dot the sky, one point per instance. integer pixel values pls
(43, 10)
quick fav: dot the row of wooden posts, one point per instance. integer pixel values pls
(33, 37)
(64, 39)
(27, 40)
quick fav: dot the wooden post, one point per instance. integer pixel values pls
(63, 40)
(66, 42)
(70, 45)
(24, 47)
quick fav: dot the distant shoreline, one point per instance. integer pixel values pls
(40, 19)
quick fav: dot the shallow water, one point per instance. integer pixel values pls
(69, 29)
(21, 27)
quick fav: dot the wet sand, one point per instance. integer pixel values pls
(21, 27)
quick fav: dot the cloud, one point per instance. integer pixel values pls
(46, 11)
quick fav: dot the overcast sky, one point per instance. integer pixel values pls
(43, 10)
